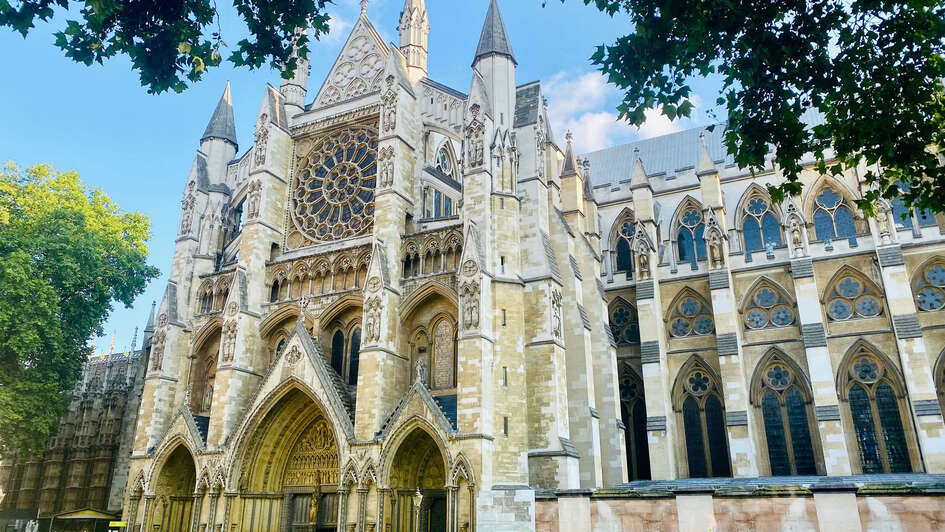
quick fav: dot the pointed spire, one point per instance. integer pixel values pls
(570, 166)
(222, 126)
(706, 164)
(150, 326)
(414, 29)
(638, 177)
(494, 38)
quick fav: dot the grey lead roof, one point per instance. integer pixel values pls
(494, 38)
(665, 154)
(222, 125)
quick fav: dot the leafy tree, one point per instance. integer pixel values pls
(871, 70)
(66, 254)
(171, 42)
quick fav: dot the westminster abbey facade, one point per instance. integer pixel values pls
(411, 307)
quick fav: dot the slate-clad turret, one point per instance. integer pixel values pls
(494, 39)
(218, 142)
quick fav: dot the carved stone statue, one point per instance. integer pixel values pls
(470, 298)
(716, 254)
(643, 264)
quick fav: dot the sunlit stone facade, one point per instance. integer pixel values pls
(407, 307)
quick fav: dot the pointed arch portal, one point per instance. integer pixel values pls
(418, 466)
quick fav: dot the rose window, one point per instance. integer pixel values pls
(852, 299)
(767, 309)
(333, 196)
(691, 318)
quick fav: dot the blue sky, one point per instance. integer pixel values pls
(138, 147)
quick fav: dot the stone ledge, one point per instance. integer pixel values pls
(645, 290)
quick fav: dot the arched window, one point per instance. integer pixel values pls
(274, 293)
(929, 288)
(782, 393)
(760, 225)
(633, 415)
(833, 219)
(206, 300)
(698, 399)
(903, 215)
(624, 258)
(939, 377)
(768, 308)
(445, 161)
(354, 359)
(691, 236)
(338, 352)
(691, 316)
(851, 296)
(280, 347)
(624, 323)
(874, 394)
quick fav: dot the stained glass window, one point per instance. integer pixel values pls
(624, 324)
(903, 214)
(759, 225)
(691, 240)
(888, 408)
(800, 433)
(338, 352)
(785, 404)
(333, 193)
(851, 297)
(768, 308)
(876, 411)
(624, 236)
(355, 357)
(695, 446)
(633, 414)
(833, 219)
(774, 433)
(866, 440)
(704, 425)
(930, 288)
(691, 317)
(718, 444)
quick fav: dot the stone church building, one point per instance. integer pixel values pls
(407, 306)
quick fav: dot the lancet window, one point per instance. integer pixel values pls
(760, 227)
(690, 317)
(852, 297)
(698, 401)
(345, 356)
(904, 215)
(929, 288)
(624, 323)
(623, 256)
(876, 401)
(691, 235)
(633, 415)
(782, 394)
(833, 218)
(768, 308)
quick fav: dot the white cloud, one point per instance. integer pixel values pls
(585, 105)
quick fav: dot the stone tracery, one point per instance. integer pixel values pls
(333, 192)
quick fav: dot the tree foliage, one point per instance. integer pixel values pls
(170, 43)
(869, 71)
(66, 254)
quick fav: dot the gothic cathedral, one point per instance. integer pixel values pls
(407, 307)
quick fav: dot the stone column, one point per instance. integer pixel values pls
(926, 413)
(660, 422)
(195, 514)
(743, 444)
(820, 368)
(133, 501)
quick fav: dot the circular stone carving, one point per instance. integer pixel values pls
(333, 194)
(374, 284)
